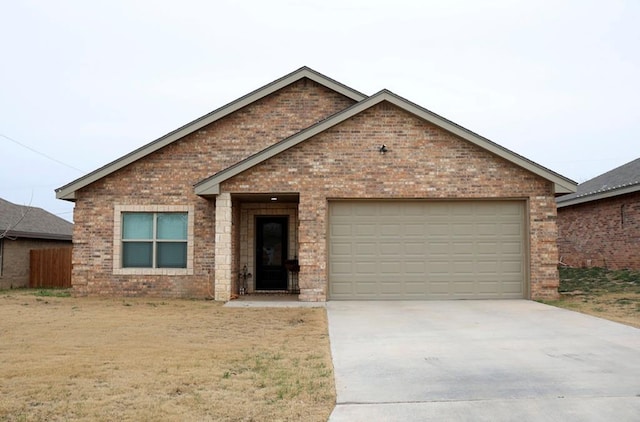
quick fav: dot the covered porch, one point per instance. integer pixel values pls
(256, 245)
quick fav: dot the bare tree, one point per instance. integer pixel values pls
(23, 213)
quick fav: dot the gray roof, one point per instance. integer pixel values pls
(32, 222)
(619, 181)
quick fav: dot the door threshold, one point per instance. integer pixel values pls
(272, 292)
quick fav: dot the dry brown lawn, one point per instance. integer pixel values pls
(64, 358)
(613, 295)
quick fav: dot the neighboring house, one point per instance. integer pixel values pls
(374, 197)
(599, 225)
(22, 229)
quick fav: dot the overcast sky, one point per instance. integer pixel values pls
(85, 82)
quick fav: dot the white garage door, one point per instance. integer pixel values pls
(426, 250)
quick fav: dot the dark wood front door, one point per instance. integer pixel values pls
(271, 253)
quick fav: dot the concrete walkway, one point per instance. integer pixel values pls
(481, 361)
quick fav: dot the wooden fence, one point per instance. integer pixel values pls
(50, 268)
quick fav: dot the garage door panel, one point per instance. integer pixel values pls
(342, 288)
(438, 267)
(510, 229)
(415, 289)
(427, 250)
(513, 247)
(436, 248)
(511, 267)
(414, 230)
(461, 209)
(366, 249)
(367, 288)
(389, 288)
(389, 250)
(513, 289)
(487, 229)
(416, 249)
(463, 287)
(342, 268)
(365, 268)
(391, 230)
(463, 229)
(391, 210)
(360, 211)
(442, 229)
(365, 230)
(439, 287)
(389, 268)
(488, 248)
(341, 249)
(341, 230)
(418, 267)
(462, 248)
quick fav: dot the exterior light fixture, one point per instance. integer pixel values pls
(382, 149)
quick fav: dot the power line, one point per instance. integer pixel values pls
(41, 153)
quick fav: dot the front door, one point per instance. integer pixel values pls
(271, 253)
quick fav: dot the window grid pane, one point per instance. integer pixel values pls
(137, 225)
(137, 254)
(171, 255)
(172, 226)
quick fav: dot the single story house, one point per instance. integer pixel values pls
(22, 229)
(599, 224)
(308, 186)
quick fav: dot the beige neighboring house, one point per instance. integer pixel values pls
(22, 229)
(316, 189)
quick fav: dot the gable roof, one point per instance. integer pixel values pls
(31, 222)
(68, 191)
(211, 185)
(619, 181)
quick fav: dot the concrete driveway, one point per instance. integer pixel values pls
(511, 360)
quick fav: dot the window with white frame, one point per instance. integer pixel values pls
(154, 239)
(151, 240)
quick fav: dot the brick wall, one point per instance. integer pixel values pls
(343, 162)
(15, 259)
(423, 162)
(167, 176)
(604, 233)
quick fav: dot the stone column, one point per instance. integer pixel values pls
(223, 249)
(312, 240)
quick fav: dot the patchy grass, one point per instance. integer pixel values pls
(52, 292)
(614, 295)
(66, 358)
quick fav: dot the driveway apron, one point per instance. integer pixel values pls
(481, 361)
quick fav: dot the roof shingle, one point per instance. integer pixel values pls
(619, 181)
(32, 222)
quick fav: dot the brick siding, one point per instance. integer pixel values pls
(423, 162)
(167, 176)
(603, 233)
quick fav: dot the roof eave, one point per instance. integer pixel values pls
(67, 192)
(597, 196)
(33, 235)
(211, 185)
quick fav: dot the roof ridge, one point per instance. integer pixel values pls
(211, 184)
(68, 191)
